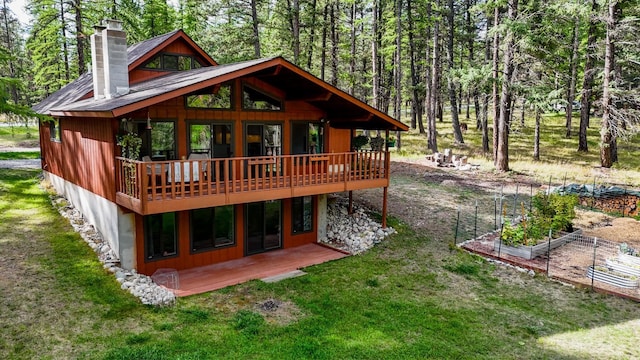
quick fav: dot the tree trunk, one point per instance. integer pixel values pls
(485, 123)
(587, 84)
(80, 38)
(323, 57)
(397, 108)
(494, 72)
(375, 64)
(65, 46)
(312, 34)
(415, 99)
(572, 80)
(502, 161)
(455, 122)
(606, 136)
(256, 34)
(522, 113)
(536, 137)
(435, 79)
(334, 43)
(12, 70)
(352, 54)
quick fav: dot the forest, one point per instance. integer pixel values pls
(470, 62)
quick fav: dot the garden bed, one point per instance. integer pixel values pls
(530, 252)
(612, 278)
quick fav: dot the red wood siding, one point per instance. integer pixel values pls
(186, 259)
(85, 156)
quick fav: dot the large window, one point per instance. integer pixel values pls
(307, 138)
(218, 97)
(302, 214)
(55, 132)
(253, 99)
(159, 141)
(212, 228)
(172, 62)
(161, 239)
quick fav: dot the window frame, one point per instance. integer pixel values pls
(162, 64)
(233, 241)
(55, 131)
(293, 215)
(147, 233)
(265, 93)
(231, 100)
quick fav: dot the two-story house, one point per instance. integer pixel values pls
(233, 160)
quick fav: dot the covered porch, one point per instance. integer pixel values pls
(269, 264)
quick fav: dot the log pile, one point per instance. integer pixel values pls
(626, 205)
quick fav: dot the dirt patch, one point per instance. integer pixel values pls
(278, 312)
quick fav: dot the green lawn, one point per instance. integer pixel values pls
(409, 297)
(19, 136)
(19, 155)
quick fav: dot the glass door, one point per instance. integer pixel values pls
(263, 140)
(262, 226)
(213, 140)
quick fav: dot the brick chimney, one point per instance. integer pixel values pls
(109, 66)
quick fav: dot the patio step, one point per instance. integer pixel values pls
(287, 275)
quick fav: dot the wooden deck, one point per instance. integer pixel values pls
(217, 276)
(156, 187)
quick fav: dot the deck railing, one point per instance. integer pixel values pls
(177, 179)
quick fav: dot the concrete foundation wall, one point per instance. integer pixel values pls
(117, 228)
(322, 216)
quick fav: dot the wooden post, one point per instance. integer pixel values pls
(350, 202)
(384, 207)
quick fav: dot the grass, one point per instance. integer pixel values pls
(18, 136)
(558, 155)
(19, 155)
(410, 297)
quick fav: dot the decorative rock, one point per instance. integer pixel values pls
(140, 286)
(354, 233)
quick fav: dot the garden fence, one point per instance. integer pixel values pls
(577, 259)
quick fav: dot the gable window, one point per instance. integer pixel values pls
(212, 228)
(54, 130)
(160, 239)
(302, 214)
(172, 62)
(253, 99)
(217, 97)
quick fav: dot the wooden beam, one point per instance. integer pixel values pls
(384, 206)
(325, 96)
(350, 202)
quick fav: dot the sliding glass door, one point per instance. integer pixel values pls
(263, 226)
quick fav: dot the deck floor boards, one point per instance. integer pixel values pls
(217, 276)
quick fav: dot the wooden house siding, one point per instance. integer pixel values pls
(85, 155)
(186, 259)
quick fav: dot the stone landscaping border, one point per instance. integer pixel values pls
(139, 285)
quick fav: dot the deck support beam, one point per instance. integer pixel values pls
(350, 202)
(384, 206)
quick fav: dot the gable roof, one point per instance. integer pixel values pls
(343, 110)
(136, 55)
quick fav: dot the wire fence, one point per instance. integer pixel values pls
(575, 258)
